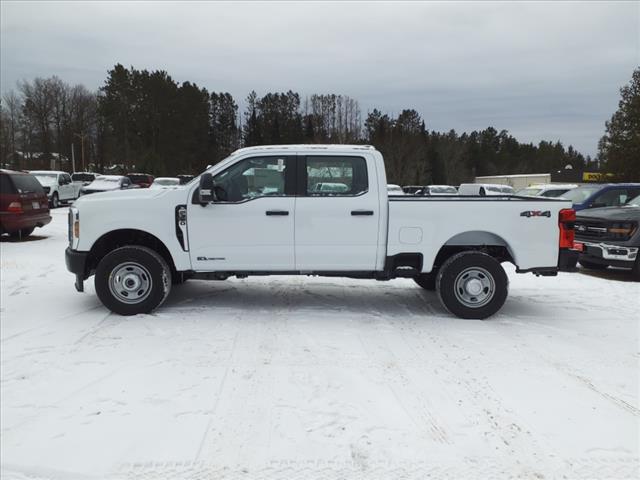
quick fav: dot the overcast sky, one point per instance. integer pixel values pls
(543, 70)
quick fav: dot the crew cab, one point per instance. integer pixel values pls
(58, 186)
(259, 212)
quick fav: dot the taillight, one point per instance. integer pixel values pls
(15, 207)
(566, 221)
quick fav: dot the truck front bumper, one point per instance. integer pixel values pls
(609, 254)
(77, 264)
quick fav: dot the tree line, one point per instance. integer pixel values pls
(146, 121)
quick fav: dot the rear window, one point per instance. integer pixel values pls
(83, 177)
(5, 185)
(22, 184)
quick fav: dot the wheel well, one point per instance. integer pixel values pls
(120, 238)
(477, 241)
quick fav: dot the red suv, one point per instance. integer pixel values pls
(23, 204)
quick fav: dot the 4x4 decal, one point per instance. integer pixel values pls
(536, 213)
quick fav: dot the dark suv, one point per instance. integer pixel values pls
(609, 237)
(23, 204)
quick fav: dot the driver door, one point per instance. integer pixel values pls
(251, 225)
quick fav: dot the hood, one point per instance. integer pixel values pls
(621, 214)
(129, 194)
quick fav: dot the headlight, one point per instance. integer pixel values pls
(622, 230)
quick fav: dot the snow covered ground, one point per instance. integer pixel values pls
(292, 377)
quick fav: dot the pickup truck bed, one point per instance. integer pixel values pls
(261, 212)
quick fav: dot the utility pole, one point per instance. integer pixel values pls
(81, 136)
(73, 159)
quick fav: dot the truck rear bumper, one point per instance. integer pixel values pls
(77, 264)
(567, 259)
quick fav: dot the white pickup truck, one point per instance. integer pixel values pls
(259, 212)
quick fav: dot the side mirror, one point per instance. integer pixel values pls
(206, 193)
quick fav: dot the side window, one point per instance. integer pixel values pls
(67, 178)
(5, 185)
(336, 176)
(612, 198)
(252, 178)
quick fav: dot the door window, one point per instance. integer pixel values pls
(336, 176)
(252, 178)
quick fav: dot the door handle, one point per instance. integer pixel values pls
(280, 213)
(361, 212)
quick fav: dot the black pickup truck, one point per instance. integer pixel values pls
(609, 237)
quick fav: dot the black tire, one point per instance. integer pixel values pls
(55, 200)
(426, 280)
(135, 272)
(488, 276)
(592, 266)
(25, 232)
(572, 263)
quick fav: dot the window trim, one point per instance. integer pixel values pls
(302, 177)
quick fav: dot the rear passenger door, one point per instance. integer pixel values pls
(337, 213)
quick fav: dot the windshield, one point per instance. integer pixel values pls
(532, 192)
(634, 201)
(580, 194)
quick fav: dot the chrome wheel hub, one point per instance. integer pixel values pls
(130, 282)
(474, 287)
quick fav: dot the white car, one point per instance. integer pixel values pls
(235, 220)
(83, 178)
(106, 183)
(57, 185)
(546, 190)
(394, 189)
(164, 182)
(484, 189)
(438, 190)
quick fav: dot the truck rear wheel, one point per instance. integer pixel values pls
(132, 280)
(472, 285)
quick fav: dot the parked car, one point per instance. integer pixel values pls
(165, 182)
(184, 179)
(58, 186)
(143, 180)
(106, 183)
(83, 178)
(23, 204)
(438, 190)
(609, 237)
(602, 195)
(394, 189)
(137, 242)
(546, 190)
(412, 189)
(484, 189)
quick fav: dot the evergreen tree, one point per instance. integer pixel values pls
(619, 148)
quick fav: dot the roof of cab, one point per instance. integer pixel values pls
(305, 147)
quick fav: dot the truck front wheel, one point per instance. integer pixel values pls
(472, 285)
(132, 280)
